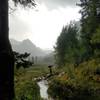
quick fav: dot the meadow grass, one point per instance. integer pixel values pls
(25, 86)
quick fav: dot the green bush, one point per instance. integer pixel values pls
(70, 91)
(25, 87)
(28, 91)
(84, 85)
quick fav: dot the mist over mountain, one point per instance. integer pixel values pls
(27, 46)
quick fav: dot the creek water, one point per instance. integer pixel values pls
(43, 89)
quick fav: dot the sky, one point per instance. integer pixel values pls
(42, 24)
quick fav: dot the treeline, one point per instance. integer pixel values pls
(68, 45)
(76, 45)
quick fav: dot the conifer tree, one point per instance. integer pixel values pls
(90, 11)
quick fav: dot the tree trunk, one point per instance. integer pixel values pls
(6, 56)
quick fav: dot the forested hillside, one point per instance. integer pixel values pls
(77, 53)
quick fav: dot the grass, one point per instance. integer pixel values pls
(25, 86)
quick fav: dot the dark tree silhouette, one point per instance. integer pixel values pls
(6, 54)
(21, 60)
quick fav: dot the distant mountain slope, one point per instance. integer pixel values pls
(14, 42)
(27, 46)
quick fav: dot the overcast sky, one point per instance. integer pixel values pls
(43, 24)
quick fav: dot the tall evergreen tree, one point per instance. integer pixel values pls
(95, 41)
(6, 54)
(67, 44)
(90, 11)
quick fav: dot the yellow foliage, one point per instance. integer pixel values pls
(64, 77)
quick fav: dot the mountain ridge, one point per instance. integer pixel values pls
(27, 46)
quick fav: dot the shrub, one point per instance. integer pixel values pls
(72, 91)
(84, 84)
(28, 91)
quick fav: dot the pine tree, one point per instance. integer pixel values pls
(90, 11)
(67, 44)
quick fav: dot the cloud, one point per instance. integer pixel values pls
(42, 27)
(54, 4)
(18, 28)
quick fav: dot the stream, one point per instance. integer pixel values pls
(43, 84)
